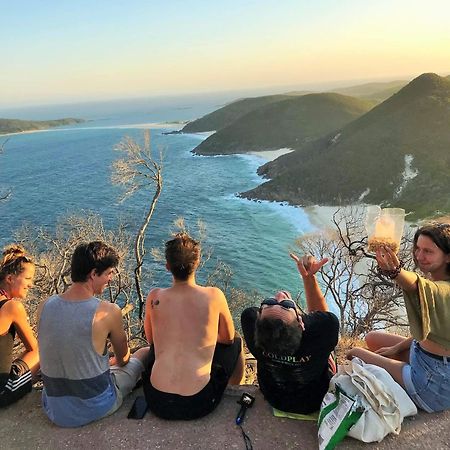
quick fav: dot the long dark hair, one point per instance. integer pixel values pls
(439, 233)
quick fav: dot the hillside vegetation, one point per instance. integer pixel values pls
(288, 123)
(226, 115)
(18, 126)
(396, 154)
(377, 92)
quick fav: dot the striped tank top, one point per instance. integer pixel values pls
(77, 383)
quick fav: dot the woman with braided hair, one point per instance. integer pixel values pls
(16, 278)
(420, 363)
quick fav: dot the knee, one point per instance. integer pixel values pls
(372, 339)
(141, 354)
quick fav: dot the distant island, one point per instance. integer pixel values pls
(19, 126)
(379, 143)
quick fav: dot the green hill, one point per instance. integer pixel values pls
(373, 91)
(376, 92)
(18, 126)
(397, 154)
(286, 123)
(229, 113)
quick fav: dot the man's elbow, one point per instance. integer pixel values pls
(226, 338)
(122, 360)
(225, 341)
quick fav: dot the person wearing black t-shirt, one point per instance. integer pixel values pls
(293, 350)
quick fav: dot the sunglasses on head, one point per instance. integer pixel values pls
(287, 304)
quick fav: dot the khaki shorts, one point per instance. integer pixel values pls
(125, 379)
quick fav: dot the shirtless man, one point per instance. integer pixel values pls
(74, 328)
(195, 353)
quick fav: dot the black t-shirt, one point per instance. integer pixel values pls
(296, 383)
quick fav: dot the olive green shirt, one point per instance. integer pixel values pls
(428, 311)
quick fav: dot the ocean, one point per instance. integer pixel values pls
(68, 171)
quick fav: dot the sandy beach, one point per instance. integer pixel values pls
(320, 216)
(270, 155)
(153, 125)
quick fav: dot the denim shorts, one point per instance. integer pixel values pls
(427, 379)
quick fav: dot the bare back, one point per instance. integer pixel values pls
(185, 322)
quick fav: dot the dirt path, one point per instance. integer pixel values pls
(24, 426)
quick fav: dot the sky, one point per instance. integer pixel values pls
(88, 50)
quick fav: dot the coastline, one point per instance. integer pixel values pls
(270, 155)
(320, 217)
(25, 132)
(153, 125)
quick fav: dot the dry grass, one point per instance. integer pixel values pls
(346, 343)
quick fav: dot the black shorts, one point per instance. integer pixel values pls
(187, 407)
(17, 385)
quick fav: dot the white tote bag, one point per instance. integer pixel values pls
(385, 402)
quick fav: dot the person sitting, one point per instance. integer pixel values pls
(420, 363)
(74, 329)
(195, 352)
(293, 349)
(16, 278)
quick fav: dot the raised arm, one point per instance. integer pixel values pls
(308, 267)
(388, 262)
(226, 325)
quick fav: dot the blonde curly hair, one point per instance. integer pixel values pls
(14, 256)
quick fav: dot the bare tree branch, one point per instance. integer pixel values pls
(365, 299)
(138, 170)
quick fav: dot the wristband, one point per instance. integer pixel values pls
(392, 274)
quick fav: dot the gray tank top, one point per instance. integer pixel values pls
(77, 382)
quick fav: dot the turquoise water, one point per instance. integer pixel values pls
(63, 171)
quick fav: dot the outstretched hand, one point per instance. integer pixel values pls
(308, 265)
(387, 259)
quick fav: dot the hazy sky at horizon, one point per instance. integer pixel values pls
(55, 51)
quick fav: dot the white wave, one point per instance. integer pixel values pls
(202, 135)
(295, 215)
(196, 155)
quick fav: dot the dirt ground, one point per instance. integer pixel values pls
(25, 426)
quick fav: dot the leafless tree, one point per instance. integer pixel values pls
(138, 170)
(365, 299)
(53, 251)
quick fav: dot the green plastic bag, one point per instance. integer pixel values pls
(338, 413)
